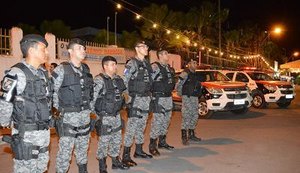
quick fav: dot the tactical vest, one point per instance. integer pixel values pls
(76, 91)
(32, 107)
(140, 82)
(110, 99)
(164, 82)
(192, 86)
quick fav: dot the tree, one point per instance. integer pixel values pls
(165, 21)
(56, 27)
(28, 29)
(127, 39)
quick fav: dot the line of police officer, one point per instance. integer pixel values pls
(26, 100)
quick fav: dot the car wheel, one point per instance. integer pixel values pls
(240, 111)
(284, 104)
(203, 111)
(258, 100)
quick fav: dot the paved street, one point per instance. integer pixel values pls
(261, 141)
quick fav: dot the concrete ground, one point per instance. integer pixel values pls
(260, 141)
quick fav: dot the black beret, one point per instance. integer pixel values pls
(33, 38)
(76, 41)
(108, 58)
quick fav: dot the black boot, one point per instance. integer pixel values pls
(117, 164)
(153, 147)
(184, 137)
(126, 157)
(163, 144)
(139, 153)
(82, 168)
(102, 165)
(192, 136)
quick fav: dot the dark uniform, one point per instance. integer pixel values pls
(190, 88)
(139, 84)
(73, 92)
(163, 85)
(25, 101)
(108, 101)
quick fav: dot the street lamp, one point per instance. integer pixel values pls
(277, 31)
(107, 29)
(116, 13)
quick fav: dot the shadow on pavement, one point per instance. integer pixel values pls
(219, 141)
(232, 116)
(180, 160)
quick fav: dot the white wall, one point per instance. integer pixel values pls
(7, 61)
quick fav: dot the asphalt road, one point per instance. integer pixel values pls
(260, 141)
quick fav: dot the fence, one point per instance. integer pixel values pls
(5, 48)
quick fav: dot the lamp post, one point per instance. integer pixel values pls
(107, 30)
(116, 13)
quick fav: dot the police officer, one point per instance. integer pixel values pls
(189, 88)
(163, 85)
(139, 84)
(108, 101)
(73, 92)
(25, 104)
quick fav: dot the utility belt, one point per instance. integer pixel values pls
(146, 94)
(156, 107)
(62, 129)
(103, 130)
(23, 150)
(73, 109)
(32, 127)
(105, 114)
(162, 94)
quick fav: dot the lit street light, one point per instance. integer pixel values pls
(116, 28)
(107, 30)
(277, 31)
(296, 54)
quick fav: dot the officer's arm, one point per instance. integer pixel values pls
(57, 77)
(155, 70)
(98, 88)
(6, 107)
(130, 69)
(181, 80)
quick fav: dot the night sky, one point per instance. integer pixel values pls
(93, 13)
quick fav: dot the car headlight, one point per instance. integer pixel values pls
(270, 87)
(214, 90)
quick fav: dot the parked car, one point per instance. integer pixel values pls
(264, 88)
(220, 94)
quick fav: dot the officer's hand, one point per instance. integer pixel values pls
(127, 98)
(55, 113)
(6, 109)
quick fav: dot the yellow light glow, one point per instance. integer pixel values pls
(195, 44)
(277, 30)
(119, 6)
(154, 25)
(168, 31)
(138, 16)
(177, 36)
(295, 54)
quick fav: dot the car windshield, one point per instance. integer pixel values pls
(260, 76)
(209, 76)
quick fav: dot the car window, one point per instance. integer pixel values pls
(230, 75)
(242, 77)
(211, 76)
(260, 76)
